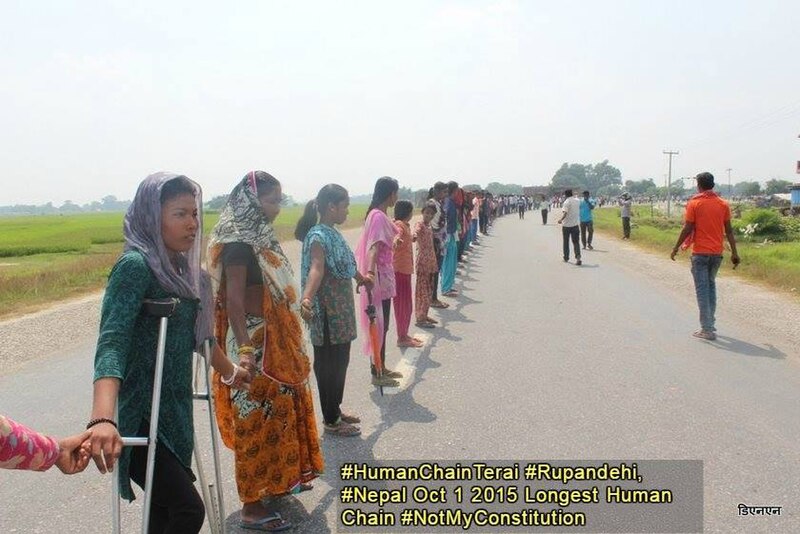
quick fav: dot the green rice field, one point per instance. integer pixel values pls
(49, 258)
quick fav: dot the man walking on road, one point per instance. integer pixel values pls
(570, 218)
(544, 207)
(707, 218)
(625, 212)
(587, 224)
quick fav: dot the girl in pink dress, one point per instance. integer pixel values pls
(375, 258)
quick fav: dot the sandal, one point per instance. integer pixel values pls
(347, 418)
(439, 304)
(430, 320)
(345, 430)
(411, 343)
(424, 324)
(451, 293)
(262, 524)
(705, 334)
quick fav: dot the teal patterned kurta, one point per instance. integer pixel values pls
(126, 349)
(333, 302)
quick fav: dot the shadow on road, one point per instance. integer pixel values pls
(747, 349)
(397, 408)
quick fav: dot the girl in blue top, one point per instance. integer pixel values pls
(328, 267)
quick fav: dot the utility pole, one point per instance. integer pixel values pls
(670, 153)
(730, 191)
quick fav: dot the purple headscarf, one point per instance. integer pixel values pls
(142, 231)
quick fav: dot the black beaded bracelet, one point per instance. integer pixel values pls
(99, 420)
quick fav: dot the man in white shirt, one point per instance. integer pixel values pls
(570, 221)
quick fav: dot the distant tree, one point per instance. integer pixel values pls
(69, 207)
(602, 174)
(216, 203)
(747, 189)
(776, 186)
(613, 190)
(591, 177)
(405, 193)
(570, 175)
(641, 187)
(471, 187)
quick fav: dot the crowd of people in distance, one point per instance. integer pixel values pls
(263, 324)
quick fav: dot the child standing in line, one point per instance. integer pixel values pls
(427, 266)
(403, 269)
(374, 256)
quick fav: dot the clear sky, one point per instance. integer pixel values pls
(95, 95)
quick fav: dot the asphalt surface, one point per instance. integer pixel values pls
(536, 360)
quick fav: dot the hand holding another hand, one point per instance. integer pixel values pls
(367, 281)
(106, 446)
(246, 363)
(242, 379)
(306, 309)
(75, 453)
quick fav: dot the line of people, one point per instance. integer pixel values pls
(263, 326)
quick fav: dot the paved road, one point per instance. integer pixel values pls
(537, 360)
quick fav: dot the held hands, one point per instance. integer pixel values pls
(735, 260)
(75, 453)
(306, 309)
(106, 446)
(246, 363)
(367, 281)
(242, 379)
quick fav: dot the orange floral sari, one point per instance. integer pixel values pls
(272, 428)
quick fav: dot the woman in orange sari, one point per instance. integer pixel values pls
(271, 429)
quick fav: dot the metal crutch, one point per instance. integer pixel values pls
(215, 504)
(163, 309)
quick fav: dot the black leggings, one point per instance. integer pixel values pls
(387, 308)
(175, 506)
(330, 368)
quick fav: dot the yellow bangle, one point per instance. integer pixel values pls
(246, 349)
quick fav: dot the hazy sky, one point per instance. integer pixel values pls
(95, 95)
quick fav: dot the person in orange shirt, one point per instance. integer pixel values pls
(403, 269)
(707, 218)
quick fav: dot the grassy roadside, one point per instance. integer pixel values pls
(53, 258)
(776, 265)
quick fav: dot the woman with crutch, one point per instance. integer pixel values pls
(163, 235)
(271, 429)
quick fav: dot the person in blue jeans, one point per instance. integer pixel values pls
(707, 219)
